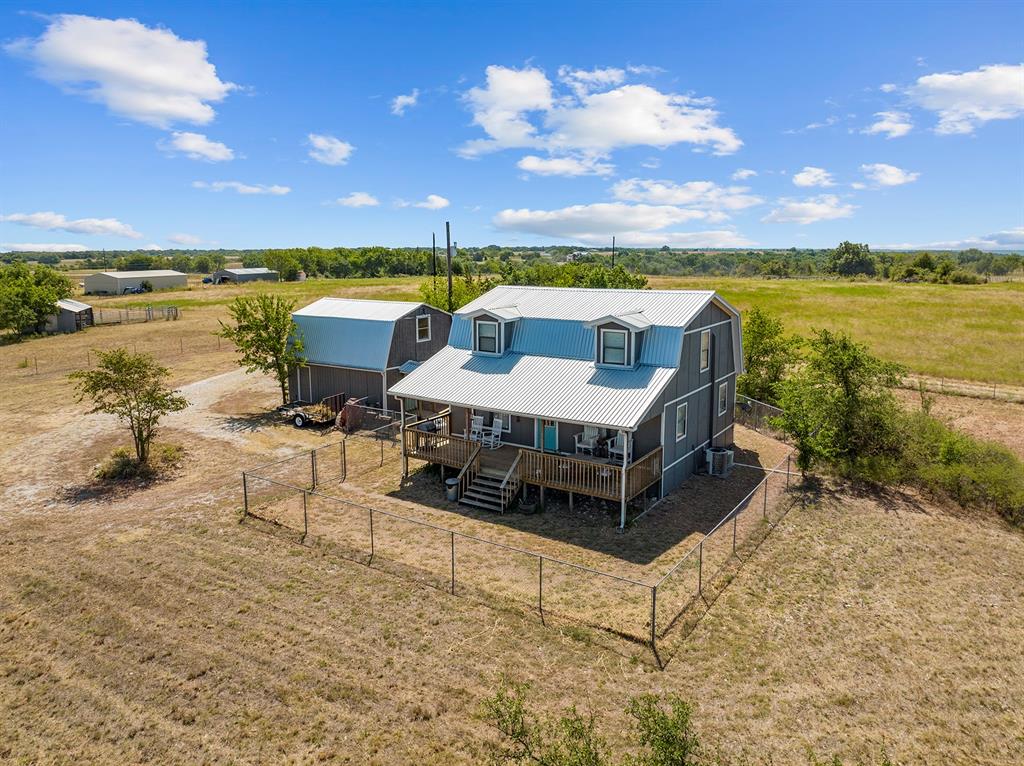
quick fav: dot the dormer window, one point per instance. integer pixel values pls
(613, 347)
(486, 340)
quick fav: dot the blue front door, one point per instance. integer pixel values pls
(550, 435)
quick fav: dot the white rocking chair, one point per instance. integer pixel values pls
(586, 442)
(476, 428)
(616, 448)
(492, 438)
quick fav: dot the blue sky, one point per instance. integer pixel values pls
(263, 125)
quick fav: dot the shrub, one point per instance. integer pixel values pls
(122, 465)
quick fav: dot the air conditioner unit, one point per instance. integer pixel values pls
(719, 460)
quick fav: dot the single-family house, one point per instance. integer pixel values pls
(362, 347)
(614, 394)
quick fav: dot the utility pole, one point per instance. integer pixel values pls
(613, 251)
(448, 238)
(433, 261)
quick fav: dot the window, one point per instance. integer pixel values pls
(613, 347)
(723, 398)
(489, 418)
(705, 349)
(422, 328)
(487, 337)
(681, 421)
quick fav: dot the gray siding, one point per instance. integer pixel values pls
(313, 382)
(681, 458)
(404, 345)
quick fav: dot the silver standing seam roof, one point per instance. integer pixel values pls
(346, 332)
(549, 371)
(137, 274)
(247, 270)
(69, 304)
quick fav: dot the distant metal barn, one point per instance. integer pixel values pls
(252, 274)
(116, 282)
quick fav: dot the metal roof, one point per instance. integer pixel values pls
(247, 270)
(667, 308)
(72, 305)
(354, 308)
(571, 390)
(150, 273)
(345, 332)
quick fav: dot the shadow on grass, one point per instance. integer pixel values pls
(687, 513)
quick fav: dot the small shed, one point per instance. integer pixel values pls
(252, 274)
(71, 316)
(117, 282)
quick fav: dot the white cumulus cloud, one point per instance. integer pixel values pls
(743, 173)
(564, 166)
(432, 202)
(704, 195)
(519, 108)
(1007, 239)
(358, 199)
(888, 175)
(147, 74)
(965, 100)
(402, 102)
(196, 146)
(58, 222)
(241, 188)
(891, 124)
(812, 176)
(42, 247)
(825, 207)
(329, 150)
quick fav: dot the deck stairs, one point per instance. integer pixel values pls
(485, 491)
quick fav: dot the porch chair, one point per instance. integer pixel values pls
(616, 447)
(476, 428)
(586, 442)
(492, 438)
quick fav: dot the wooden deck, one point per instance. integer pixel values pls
(583, 474)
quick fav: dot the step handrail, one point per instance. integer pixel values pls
(503, 489)
(465, 477)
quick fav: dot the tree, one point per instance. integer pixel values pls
(132, 388)
(284, 263)
(464, 289)
(266, 336)
(850, 259)
(838, 406)
(768, 355)
(29, 294)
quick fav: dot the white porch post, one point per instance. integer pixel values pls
(625, 456)
(405, 458)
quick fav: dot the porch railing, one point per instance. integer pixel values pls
(511, 483)
(571, 474)
(441, 448)
(469, 471)
(643, 473)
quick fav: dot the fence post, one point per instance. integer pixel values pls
(371, 538)
(305, 515)
(654, 618)
(381, 452)
(453, 561)
(540, 587)
(344, 461)
(36, 360)
(181, 345)
(312, 466)
(245, 495)
(700, 566)
(787, 471)
(764, 509)
(734, 533)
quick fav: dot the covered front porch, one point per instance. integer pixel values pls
(616, 468)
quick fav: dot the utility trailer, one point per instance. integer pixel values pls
(321, 413)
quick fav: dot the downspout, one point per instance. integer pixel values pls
(713, 398)
(384, 390)
(401, 430)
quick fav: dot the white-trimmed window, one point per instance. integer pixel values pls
(489, 418)
(613, 347)
(423, 328)
(705, 349)
(487, 337)
(681, 421)
(723, 398)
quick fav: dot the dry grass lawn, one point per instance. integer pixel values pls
(153, 627)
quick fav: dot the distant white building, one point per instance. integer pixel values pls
(250, 274)
(117, 282)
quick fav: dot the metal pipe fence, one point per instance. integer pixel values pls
(462, 563)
